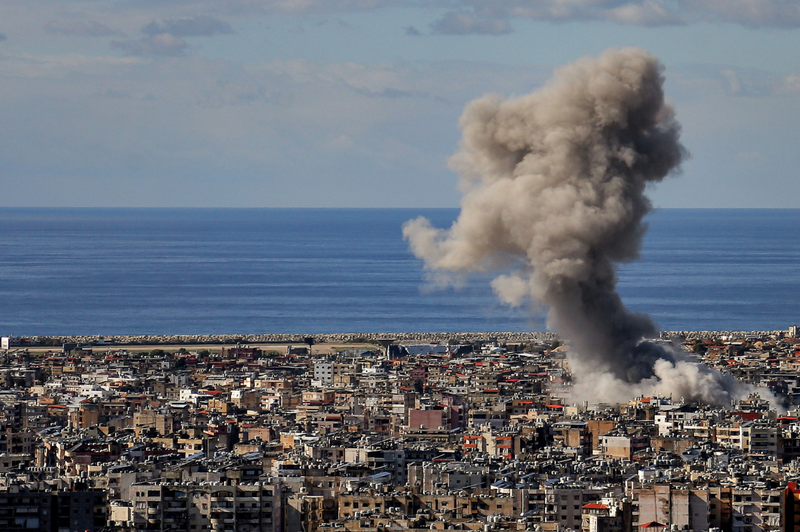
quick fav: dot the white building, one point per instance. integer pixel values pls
(323, 372)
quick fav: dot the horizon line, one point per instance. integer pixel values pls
(184, 207)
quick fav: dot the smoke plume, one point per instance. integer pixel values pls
(553, 189)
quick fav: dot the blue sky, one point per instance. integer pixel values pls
(349, 103)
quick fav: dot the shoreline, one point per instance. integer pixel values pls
(359, 338)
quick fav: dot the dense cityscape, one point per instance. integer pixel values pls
(399, 165)
(379, 434)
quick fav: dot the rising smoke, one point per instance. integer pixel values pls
(554, 191)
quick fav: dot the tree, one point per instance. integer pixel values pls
(699, 346)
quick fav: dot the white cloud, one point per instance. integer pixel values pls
(757, 83)
(648, 13)
(338, 144)
(182, 18)
(755, 13)
(84, 28)
(463, 23)
(166, 37)
(751, 13)
(190, 131)
(790, 85)
(160, 44)
(732, 83)
(201, 25)
(749, 156)
(154, 99)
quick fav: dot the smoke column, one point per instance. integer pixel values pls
(553, 189)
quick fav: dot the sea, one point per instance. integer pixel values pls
(314, 271)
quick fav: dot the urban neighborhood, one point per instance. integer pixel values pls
(377, 434)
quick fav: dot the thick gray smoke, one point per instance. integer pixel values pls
(554, 190)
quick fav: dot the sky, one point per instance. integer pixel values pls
(355, 103)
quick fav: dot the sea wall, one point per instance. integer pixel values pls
(408, 337)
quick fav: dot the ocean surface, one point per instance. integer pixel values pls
(258, 271)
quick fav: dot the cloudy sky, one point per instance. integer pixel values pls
(347, 103)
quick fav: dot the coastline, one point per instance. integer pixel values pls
(405, 337)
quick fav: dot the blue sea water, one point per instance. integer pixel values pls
(242, 271)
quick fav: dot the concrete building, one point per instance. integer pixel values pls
(207, 506)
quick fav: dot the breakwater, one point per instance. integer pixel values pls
(406, 337)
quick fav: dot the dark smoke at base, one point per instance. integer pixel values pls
(554, 189)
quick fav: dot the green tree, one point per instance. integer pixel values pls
(699, 347)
